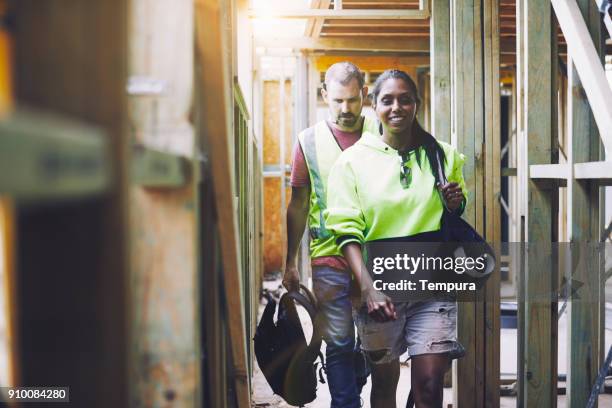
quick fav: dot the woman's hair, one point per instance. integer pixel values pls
(430, 143)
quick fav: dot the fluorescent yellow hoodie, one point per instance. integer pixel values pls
(366, 200)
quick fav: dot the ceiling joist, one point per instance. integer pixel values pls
(360, 14)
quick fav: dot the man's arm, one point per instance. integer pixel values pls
(297, 214)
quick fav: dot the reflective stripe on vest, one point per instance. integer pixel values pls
(321, 150)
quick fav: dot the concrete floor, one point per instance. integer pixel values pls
(263, 396)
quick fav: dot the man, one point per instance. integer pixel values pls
(319, 147)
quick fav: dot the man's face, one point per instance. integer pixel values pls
(345, 103)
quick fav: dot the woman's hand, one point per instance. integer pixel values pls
(380, 306)
(453, 195)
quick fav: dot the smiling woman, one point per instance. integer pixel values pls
(384, 188)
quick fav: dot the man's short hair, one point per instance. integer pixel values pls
(343, 72)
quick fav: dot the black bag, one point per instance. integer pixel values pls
(286, 360)
(461, 239)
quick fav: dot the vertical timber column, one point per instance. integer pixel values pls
(282, 141)
(164, 352)
(216, 105)
(440, 70)
(70, 59)
(302, 104)
(538, 336)
(583, 223)
(468, 115)
(492, 191)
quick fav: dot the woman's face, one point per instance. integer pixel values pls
(396, 105)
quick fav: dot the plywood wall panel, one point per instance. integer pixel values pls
(271, 126)
(273, 236)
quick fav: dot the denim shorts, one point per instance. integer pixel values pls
(421, 328)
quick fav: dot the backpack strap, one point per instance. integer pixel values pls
(310, 295)
(304, 301)
(438, 173)
(308, 301)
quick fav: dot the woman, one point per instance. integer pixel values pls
(381, 188)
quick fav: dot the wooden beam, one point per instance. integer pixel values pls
(538, 330)
(340, 14)
(163, 210)
(301, 116)
(319, 22)
(346, 44)
(46, 157)
(468, 111)
(78, 254)
(584, 348)
(549, 171)
(492, 192)
(156, 169)
(311, 21)
(8, 274)
(593, 170)
(589, 66)
(372, 63)
(440, 70)
(376, 23)
(215, 126)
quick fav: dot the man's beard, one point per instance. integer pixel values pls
(346, 120)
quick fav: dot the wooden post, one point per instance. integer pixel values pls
(8, 275)
(583, 222)
(492, 193)
(537, 334)
(165, 366)
(474, 49)
(440, 70)
(468, 115)
(282, 141)
(72, 61)
(301, 122)
(211, 41)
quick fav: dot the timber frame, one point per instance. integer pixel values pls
(468, 43)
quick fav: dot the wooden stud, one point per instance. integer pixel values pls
(282, 142)
(79, 71)
(216, 103)
(583, 331)
(162, 210)
(301, 115)
(492, 190)
(440, 71)
(537, 338)
(468, 119)
(8, 272)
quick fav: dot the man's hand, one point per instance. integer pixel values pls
(291, 278)
(453, 195)
(380, 306)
